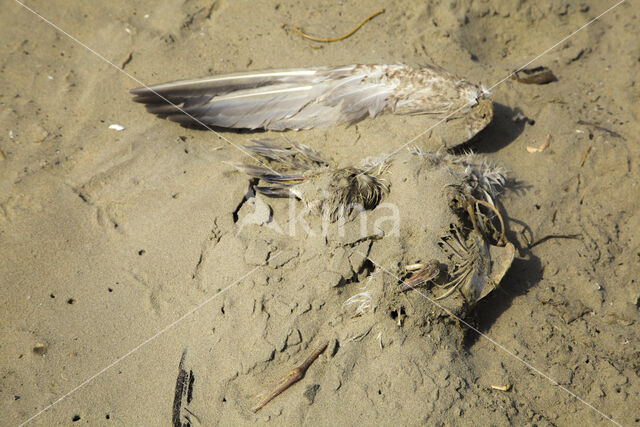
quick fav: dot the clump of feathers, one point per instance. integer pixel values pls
(485, 179)
(346, 191)
(354, 189)
(471, 264)
(367, 300)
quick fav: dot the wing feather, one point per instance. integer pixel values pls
(279, 100)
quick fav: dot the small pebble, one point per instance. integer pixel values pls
(40, 349)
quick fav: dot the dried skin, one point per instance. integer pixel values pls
(534, 76)
(542, 147)
(424, 274)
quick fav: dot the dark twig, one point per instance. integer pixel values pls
(126, 61)
(180, 391)
(600, 128)
(554, 236)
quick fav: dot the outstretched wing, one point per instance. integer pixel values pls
(277, 100)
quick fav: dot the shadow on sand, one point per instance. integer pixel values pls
(507, 124)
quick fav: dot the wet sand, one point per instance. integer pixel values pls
(121, 249)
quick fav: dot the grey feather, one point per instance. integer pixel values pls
(298, 156)
(307, 98)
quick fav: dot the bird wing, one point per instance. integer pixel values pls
(277, 100)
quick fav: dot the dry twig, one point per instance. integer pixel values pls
(337, 39)
(584, 157)
(601, 128)
(289, 379)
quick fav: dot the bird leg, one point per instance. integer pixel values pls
(293, 376)
(501, 240)
(461, 201)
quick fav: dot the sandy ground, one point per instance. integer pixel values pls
(111, 239)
